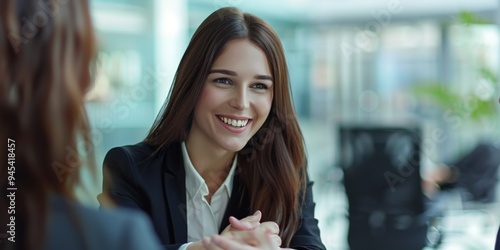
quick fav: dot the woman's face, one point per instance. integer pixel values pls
(235, 100)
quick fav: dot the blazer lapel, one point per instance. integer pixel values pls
(175, 193)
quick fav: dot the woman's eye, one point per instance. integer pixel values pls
(222, 80)
(259, 86)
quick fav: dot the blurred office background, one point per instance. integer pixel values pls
(382, 63)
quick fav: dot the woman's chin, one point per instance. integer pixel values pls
(234, 147)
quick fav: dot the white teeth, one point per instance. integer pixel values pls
(234, 122)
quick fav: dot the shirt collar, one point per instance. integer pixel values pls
(195, 183)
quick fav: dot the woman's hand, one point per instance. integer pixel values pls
(247, 223)
(238, 229)
(244, 232)
(261, 238)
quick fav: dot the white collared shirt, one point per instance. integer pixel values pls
(204, 219)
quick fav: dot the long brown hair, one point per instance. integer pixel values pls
(273, 163)
(45, 51)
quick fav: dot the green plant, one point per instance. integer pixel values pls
(469, 105)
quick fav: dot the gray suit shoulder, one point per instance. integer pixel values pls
(74, 226)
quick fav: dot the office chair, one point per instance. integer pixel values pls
(383, 186)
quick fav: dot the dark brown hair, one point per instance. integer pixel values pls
(46, 47)
(273, 163)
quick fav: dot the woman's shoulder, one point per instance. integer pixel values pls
(130, 156)
(141, 151)
(73, 224)
(137, 150)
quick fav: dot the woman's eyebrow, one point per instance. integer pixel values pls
(263, 77)
(232, 73)
(223, 71)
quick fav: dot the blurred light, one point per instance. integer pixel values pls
(118, 18)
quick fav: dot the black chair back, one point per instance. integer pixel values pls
(383, 185)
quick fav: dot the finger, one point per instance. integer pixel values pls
(228, 244)
(249, 237)
(247, 223)
(208, 244)
(241, 225)
(267, 237)
(271, 239)
(260, 238)
(271, 226)
(258, 215)
(254, 217)
(275, 239)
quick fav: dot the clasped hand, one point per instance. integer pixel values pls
(246, 234)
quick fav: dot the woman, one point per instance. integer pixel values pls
(45, 51)
(227, 143)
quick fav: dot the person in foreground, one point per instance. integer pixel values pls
(44, 74)
(225, 145)
(497, 242)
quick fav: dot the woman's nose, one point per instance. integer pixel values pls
(240, 100)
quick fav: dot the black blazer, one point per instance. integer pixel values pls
(156, 185)
(497, 242)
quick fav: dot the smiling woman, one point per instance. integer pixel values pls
(226, 144)
(233, 94)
